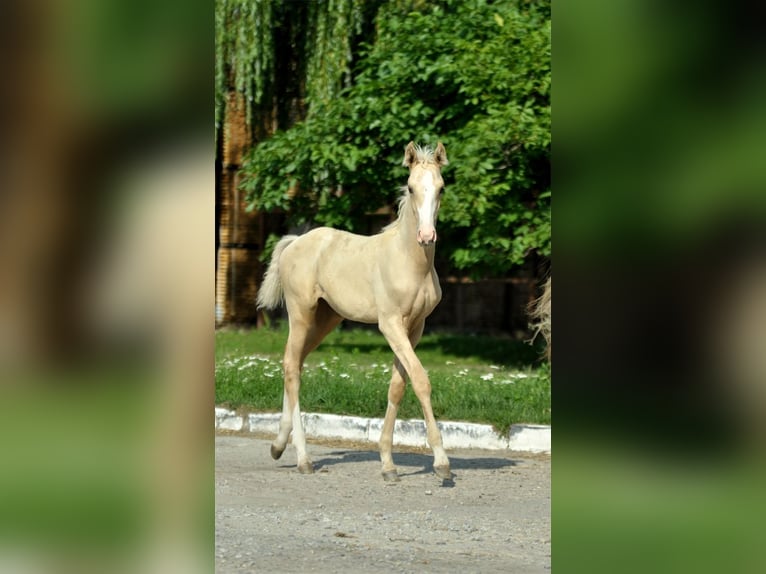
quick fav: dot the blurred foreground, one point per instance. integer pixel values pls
(107, 287)
(106, 305)
(660, 254)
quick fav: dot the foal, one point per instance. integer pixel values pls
(327, 275)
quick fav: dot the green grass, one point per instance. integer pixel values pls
(492, 380)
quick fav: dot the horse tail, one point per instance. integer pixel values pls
(540, 314)
(270, 294)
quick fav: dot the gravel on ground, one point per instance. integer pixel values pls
(493, 516)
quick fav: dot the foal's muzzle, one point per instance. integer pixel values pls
(426, 236)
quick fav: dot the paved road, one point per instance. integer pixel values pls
(494, 516)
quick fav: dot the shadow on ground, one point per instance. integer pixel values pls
(412, 463)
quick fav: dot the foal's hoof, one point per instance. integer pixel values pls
(391, 476)
(443, 472)
(306, 468)
(276, 452)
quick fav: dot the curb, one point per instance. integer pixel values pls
(521, 437)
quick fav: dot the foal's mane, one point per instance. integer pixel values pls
(402, 203)
(422, 155)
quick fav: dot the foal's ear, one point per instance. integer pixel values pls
(409, 155)
(440, 155)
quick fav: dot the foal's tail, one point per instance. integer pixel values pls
(270, 293)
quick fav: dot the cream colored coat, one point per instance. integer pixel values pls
(327, 275)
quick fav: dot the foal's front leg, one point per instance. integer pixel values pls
(403, 349)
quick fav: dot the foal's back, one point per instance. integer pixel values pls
(337, 266)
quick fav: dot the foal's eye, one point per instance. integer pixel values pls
(442, 190)
(409, 188)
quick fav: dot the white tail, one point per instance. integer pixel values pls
(540, 314)
(270, 292)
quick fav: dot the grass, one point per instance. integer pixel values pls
(482, 379)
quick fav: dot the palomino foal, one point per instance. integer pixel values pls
(327, 275)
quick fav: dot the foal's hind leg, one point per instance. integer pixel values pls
(395, 394)
(307, 329)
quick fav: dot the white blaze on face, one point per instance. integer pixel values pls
(426, 211)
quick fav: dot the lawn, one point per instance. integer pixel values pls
(483, 379)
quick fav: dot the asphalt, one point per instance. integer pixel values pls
(520, 438)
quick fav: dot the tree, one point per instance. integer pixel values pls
(471, 73)
(270, 51)
(271, 57)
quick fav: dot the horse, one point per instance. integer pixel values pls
(327, 275)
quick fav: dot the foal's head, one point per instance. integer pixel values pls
(425, 187)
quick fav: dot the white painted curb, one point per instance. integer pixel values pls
(531, 438)
(526, 438)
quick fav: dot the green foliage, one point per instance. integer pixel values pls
(473, 74)
(244, 55)
(247, 48)
(332, 26)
